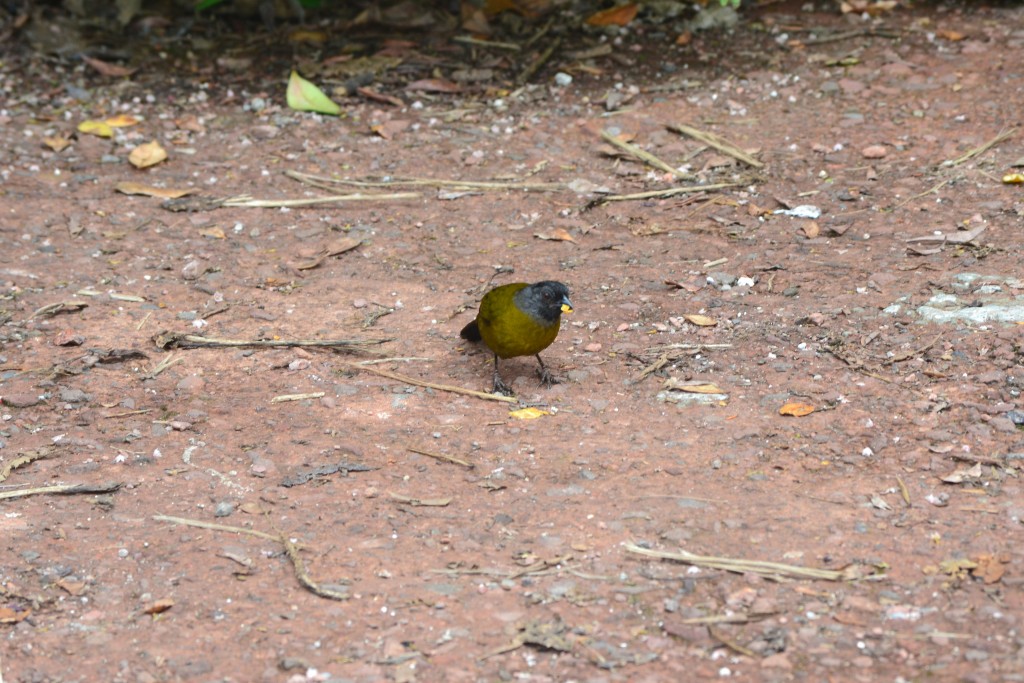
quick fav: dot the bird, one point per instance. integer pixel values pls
(519, 319)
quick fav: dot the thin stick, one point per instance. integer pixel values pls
(167, 340)
(470, 40)
(248, 202)
(971, 153)
(199, 524)
(430, 385)
(426, 182)
(303, 576)
(290, 549)
(644, 156)
(127, 413)
(934, 188)
(746, 566)
(719, 143)
(143, 321)
(729, 643)
(285, 398)
(439, 456)
(904, 491)
(161, 366)
(670, 192)
(63, 489)
(542, 59)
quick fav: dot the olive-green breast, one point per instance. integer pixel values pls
(509, 331)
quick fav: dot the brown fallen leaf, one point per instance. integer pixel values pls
(108, 69)
(700, 320)
(161, 605)
(693, 284)
(9, 615)
(147, 154)
(75, 588)
(810, 229)
(419, 502)
(615, 16)
(57, 143)
(990, 568)
(214, 232)
(434, 85)
(693, 386)
(129, 187)
(972, 473)
(555, 234)
(796, 409)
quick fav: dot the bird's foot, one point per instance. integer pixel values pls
(500, 387)
(547, 378)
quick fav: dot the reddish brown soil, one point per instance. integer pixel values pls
(516, 567)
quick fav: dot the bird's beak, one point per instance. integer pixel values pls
(566, 305)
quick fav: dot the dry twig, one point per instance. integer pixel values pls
(644, 156)
(63, 489)
(719, 143)
(430, 385)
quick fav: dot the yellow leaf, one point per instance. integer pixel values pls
(528, 413)
(796, 409)
(1013, 178)
(147, 154)
(98, 128)
(701, 320)
(121, 121)
(304, 96)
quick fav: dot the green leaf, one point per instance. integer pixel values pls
(304, 96)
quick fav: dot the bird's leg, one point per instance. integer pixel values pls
(499, 386)
(546, 378)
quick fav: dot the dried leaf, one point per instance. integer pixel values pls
(129, 187)
(389, 129)
(700, 320)
(972, 473)
(75, 588)
(13, 616)
(951, 35)
(100, 129)
(528, 413)
(796, 409)
(108, 69)
(420, 502)
(304, 96)
(213, 232)
(1009, 178)
(161, 605)
(121, 121)
(990, 568)
(810, 229)
(57, 143)
(434, 85)
(692, 386)
(615, 16)
(556, 234)
(147, 154)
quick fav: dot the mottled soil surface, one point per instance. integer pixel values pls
(442, 536)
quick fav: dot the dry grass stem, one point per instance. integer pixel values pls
(661, 194)
(63, 489)
(439, 456)
(285, 398)
(171, 340)
(326, 183)
(244, 201)
(977, 151)
(772, 569)
(430, 385)
(644, 156)
(719, 143)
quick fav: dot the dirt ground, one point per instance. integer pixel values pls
(407, 531)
